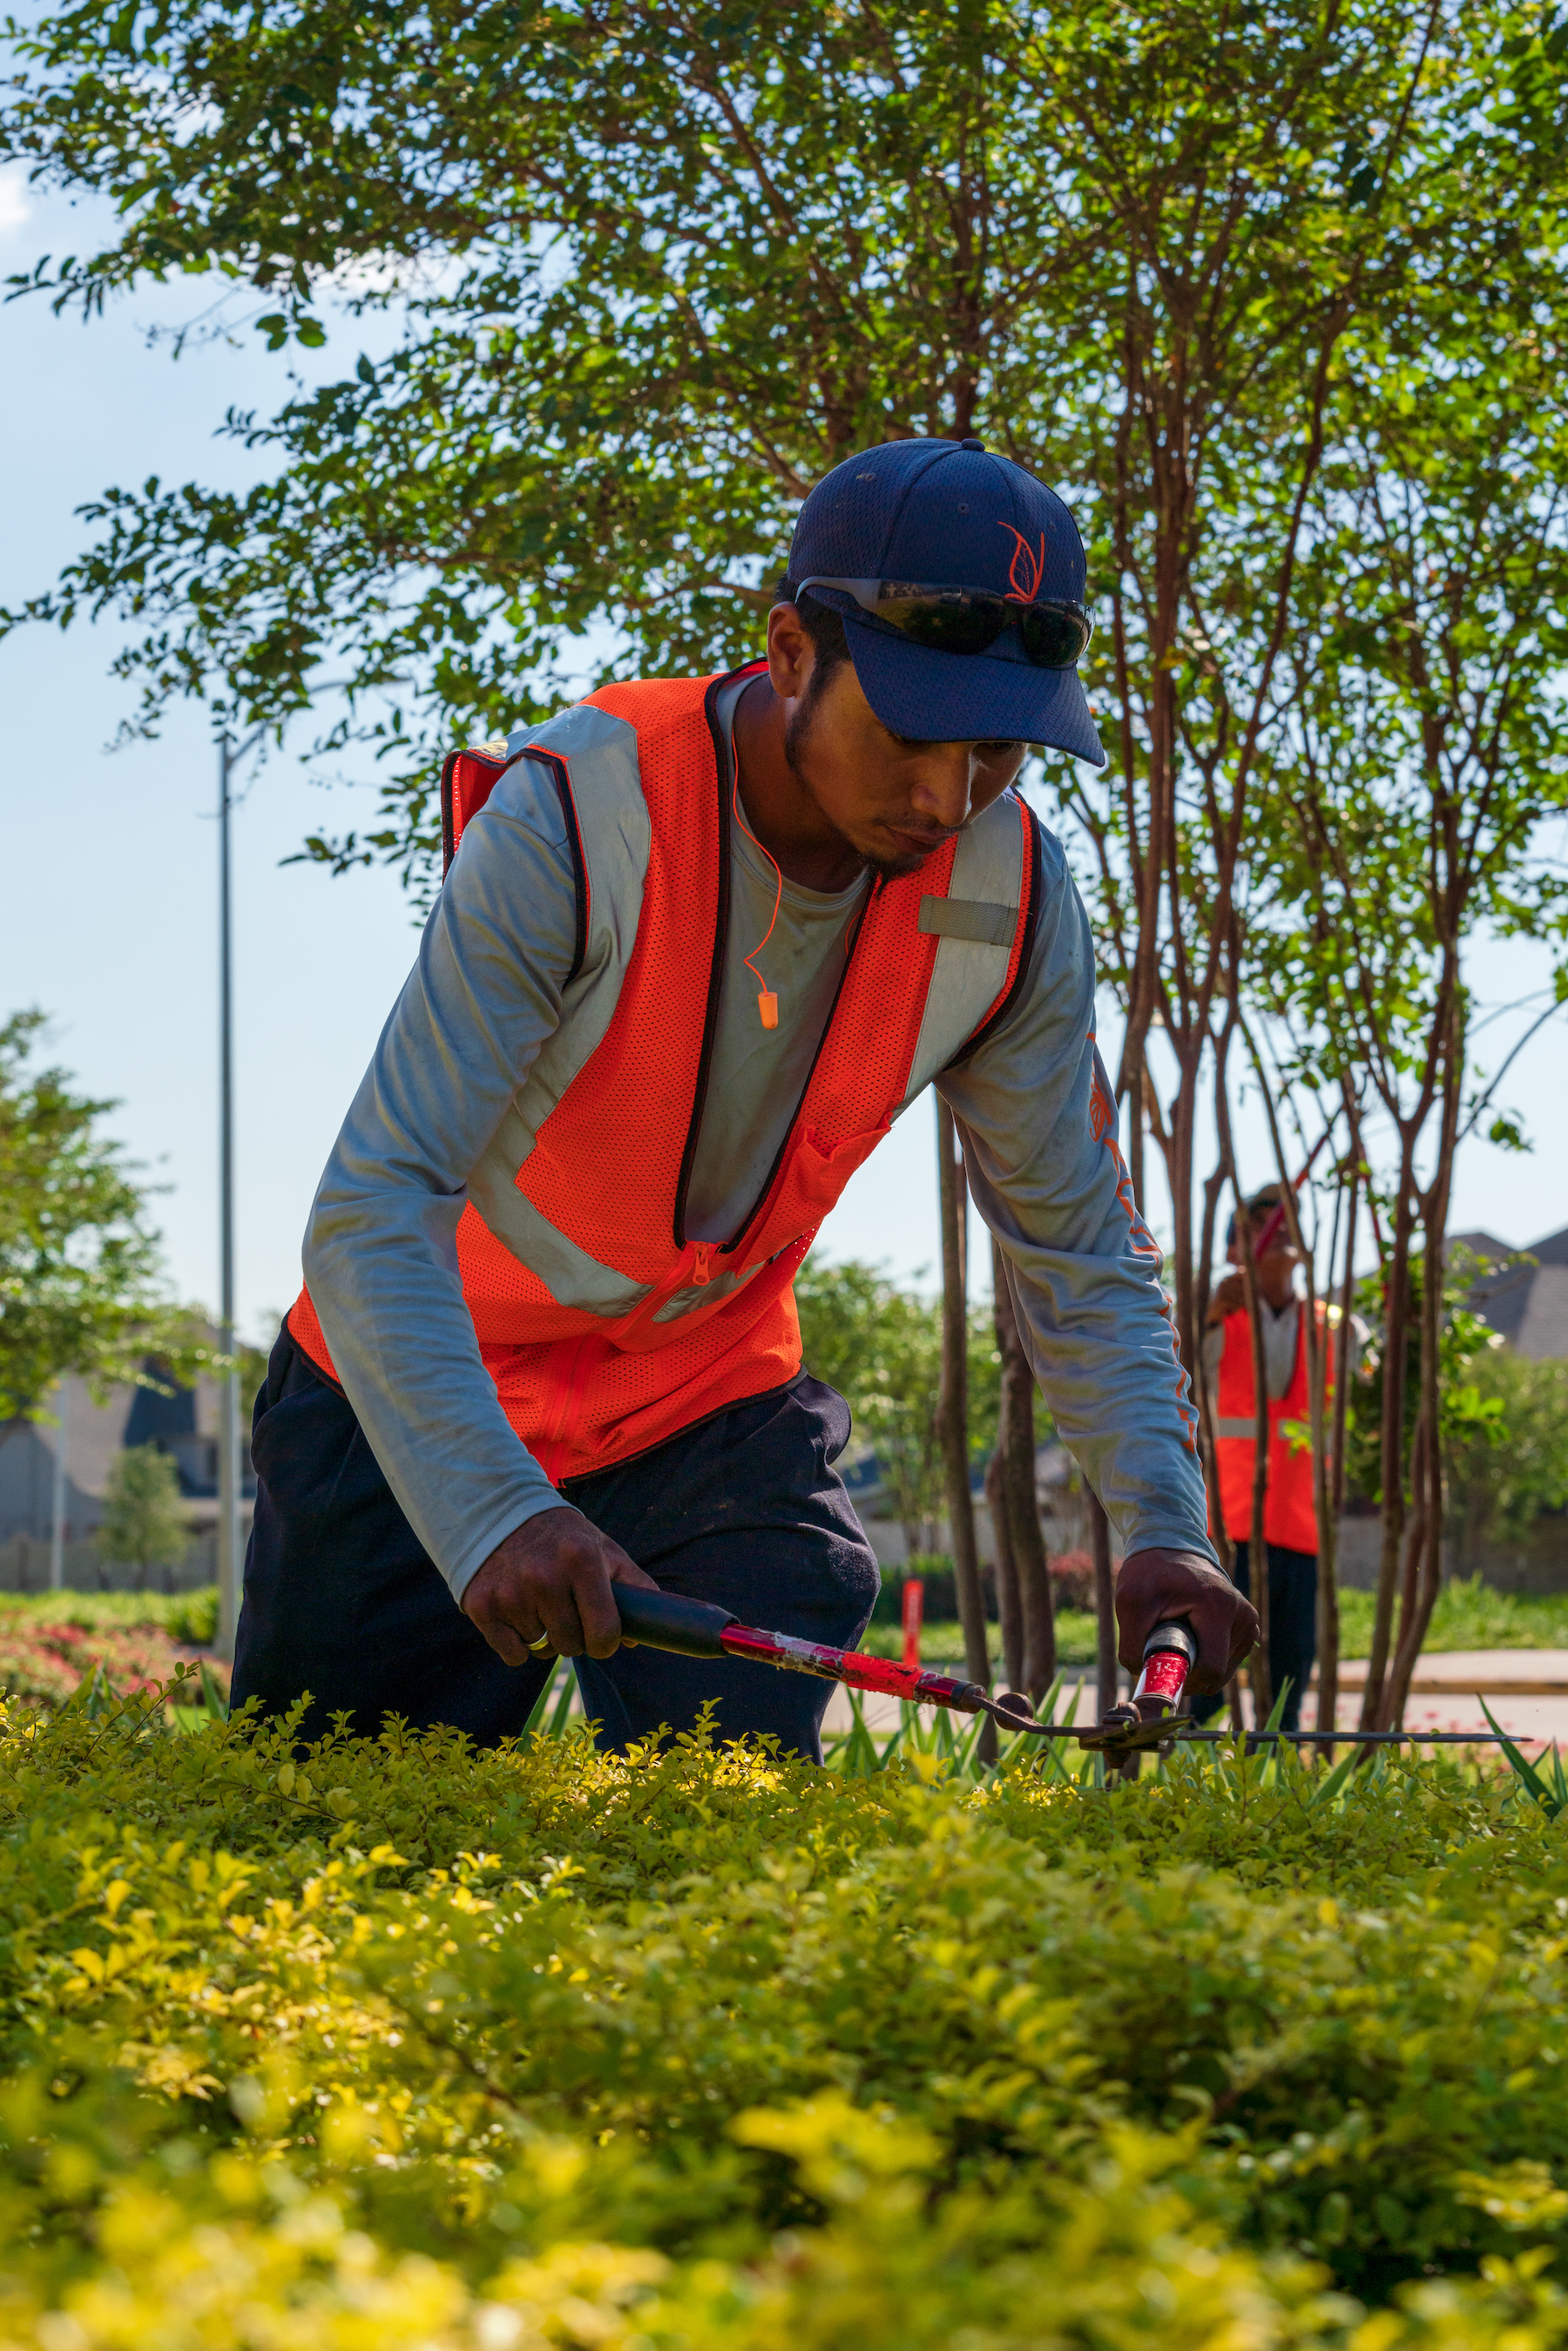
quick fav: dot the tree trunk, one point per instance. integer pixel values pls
(1395, 1324)
(1207, 1444)
(1427, 1471)
(1104, 1602)
(1328, 1492)
(1317, 1372)
(1257, 1548)
(1015, 1449)
(1258, 1668)
(1010, 1608)
(953, 1413)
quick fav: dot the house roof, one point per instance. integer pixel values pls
(1525, 1299)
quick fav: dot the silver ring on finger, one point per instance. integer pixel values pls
(537, 1649)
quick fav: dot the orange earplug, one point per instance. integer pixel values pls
(767, 1002)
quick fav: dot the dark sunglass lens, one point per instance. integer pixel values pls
(946, 624)
(1053, 640)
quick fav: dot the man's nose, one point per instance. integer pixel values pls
(943, 783)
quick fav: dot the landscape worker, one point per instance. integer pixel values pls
(706, 941)
(1289, 1515)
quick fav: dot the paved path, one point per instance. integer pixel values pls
(1464, 1672)
(1530, 1719)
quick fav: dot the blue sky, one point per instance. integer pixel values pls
(108, 917)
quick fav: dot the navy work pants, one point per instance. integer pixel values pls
(744, 1509)
(1292, 1625)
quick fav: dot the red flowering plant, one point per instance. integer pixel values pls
(42, 1664)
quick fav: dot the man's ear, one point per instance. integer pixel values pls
(791, 656)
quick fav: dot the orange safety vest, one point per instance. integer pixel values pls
(610, 1164)
(1289, 1517)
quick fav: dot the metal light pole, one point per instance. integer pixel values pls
(230, 1564)
(230, 1547)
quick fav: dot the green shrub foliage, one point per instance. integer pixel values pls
(393, 2043)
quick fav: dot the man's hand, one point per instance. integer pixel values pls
(1154, 1586)
(1228, 1296)
(553, 1575)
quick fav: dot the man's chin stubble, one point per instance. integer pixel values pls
(892, 869)
(888, 865)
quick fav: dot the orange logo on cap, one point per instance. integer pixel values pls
(1033, 565)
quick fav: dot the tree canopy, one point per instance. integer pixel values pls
(144, 1523)
(658, 270)
(80, 1283)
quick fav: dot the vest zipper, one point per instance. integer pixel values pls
(562, 1429)
(700, 1271)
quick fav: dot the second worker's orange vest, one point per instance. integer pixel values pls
(1289, 1516)
(611, 1163)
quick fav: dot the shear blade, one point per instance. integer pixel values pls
(1124, 1738)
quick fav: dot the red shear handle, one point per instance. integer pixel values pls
(1169, 1655)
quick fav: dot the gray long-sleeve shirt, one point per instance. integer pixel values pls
(485, 993)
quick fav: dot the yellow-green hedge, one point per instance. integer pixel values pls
(411, 2047)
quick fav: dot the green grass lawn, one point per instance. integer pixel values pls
(1469, 1615)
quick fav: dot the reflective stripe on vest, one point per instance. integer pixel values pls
(606, 1330)
(1290, 1518)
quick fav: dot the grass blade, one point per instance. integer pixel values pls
(1330, 1788)
(212, 1697)
(965, 1766)
(558, 1720)
(1277, 1710)
(537, 1711)
(859, 1758)
(891, 1752)
(1523, 1771)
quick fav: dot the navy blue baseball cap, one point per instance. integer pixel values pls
(950, 513)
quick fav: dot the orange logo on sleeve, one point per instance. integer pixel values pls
(1101, 1109)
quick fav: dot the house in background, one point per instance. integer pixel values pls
(183, 1424)
(1524, 1293)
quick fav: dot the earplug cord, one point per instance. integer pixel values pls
(767, 1002)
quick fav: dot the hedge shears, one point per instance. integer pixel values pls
(1150, 1717)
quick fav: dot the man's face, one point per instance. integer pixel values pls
(895, 801)
(1275, 1270)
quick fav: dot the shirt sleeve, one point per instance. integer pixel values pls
(380, 1250)
(1039, 1126)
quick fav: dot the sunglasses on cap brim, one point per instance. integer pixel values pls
(1054, 630)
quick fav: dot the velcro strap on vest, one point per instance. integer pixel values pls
(1225, 1427)
(980, 919)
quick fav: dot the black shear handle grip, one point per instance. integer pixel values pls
(668, 1620)
(1177, 1636)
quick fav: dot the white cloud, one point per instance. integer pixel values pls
(16, 205)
